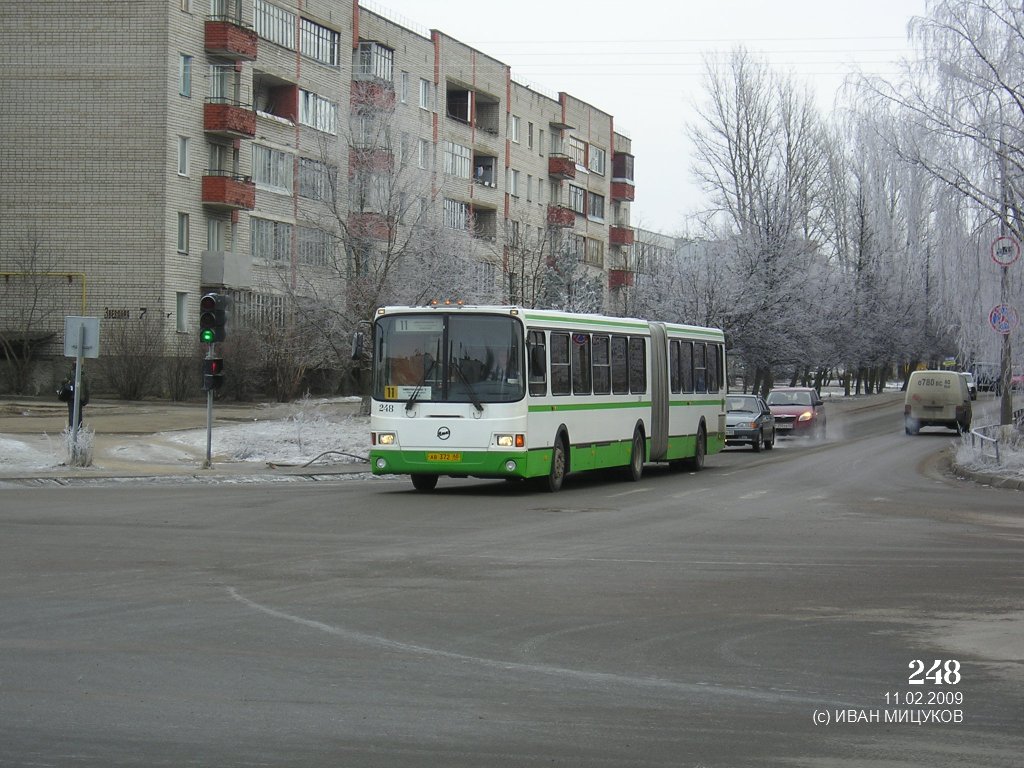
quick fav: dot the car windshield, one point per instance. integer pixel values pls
(789, 398)
(748, 404)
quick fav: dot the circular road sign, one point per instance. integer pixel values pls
(1005, 251)
(1003, 318)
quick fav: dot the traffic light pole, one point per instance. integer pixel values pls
(208, 464)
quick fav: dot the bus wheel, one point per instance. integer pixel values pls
(636, 457)
(696, 462)
(424, 482)
(557, 473)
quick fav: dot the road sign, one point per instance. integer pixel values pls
(85, 330)
(1005, 251)
(1003, 318)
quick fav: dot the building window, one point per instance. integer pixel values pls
(529, 187)
(317, 112)
(272, 169)
(595, 206)
(315, 246)
(458, 160)
(218, 234)
(424, 94)
(403, 91)
(314, 179)
(423, 154)
(596, 160)
(456, 214)
(576, 199)
(529, 135)
(271, 240)
(182, 233)
(513, 128)
(274, 24)
(374, 60)
(185, 76)
(319, 42)
(181, 312)
(513, 182)
(183, 155)
(594, 253)
(577, 150)
(186, 6)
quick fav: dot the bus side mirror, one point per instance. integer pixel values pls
(357, 345)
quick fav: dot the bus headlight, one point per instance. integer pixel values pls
(385, 438)
(510, 441)
(381, 463)
(510, 466)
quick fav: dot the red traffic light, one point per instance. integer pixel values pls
(213, 373)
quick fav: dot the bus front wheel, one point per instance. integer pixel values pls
(557, 473)
(424, 482)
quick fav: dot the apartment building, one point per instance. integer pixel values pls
(155, 150)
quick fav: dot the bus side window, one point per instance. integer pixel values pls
(620, 366)
(686, 365)
(673, 367)
(699, 368)
(538, 361)
(713, 367)
(581, 363)
(637, 365)
(602, 366)
(561, 380)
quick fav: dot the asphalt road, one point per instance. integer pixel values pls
(724, 618)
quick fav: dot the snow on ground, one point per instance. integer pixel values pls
(296, 439)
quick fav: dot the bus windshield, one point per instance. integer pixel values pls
(453, 358)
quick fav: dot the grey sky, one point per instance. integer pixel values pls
(643, 61)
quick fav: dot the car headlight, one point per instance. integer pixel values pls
(806, 416)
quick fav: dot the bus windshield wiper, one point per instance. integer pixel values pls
(469, 387)
(416, 392)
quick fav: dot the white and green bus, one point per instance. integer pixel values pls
(510, 392)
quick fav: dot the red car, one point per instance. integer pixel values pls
(798, 411)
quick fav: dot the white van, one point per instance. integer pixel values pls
(937, 399)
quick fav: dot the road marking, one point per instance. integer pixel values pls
(602, 679)
(753, 495)
(629, 493)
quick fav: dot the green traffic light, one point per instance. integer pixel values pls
(206, 335)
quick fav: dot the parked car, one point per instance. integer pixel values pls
(798, 411)
(972, 386)
(937, 399)
(748, 420)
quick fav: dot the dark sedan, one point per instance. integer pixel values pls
(748, 421)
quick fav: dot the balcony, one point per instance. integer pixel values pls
(222, 117)
(623, 191)
(620, 278)
(376, 160)
(226, 191)
(561, 216)
(368, 225)
(228, 39)
(226, 269)
(375, 94)
(620, 235)
(561, 167)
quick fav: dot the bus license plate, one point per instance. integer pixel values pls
(444, 457)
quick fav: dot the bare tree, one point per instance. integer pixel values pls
(35, 295)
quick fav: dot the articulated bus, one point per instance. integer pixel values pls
(516, 393)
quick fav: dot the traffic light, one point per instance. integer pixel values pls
(213, 318)
(213, 373)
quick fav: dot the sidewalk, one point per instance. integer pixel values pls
(135, 440)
